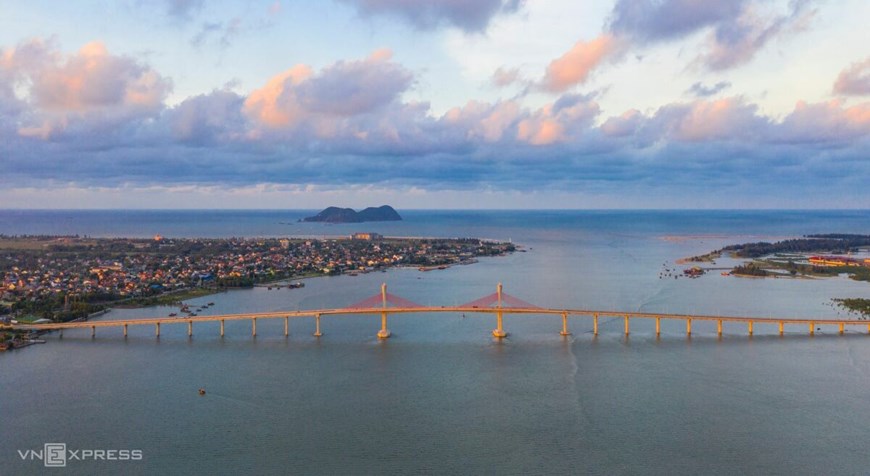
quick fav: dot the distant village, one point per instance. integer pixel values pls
(64, 278)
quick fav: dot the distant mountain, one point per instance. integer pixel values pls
(348, 215)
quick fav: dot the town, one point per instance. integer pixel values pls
(71, 277)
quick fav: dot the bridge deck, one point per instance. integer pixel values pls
(440, 309)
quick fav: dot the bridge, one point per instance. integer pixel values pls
(498, 303)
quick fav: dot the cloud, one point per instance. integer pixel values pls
(735, 42)
(183, 9)
(470, 16)
(350, 124)
(224, 32)
(208, 118)
(728, 119)
(828, 123)
(624, 125)
(701, 90)
(565, 119)
(738, 28)
(481, 121)
(90, 86)
(575, 66)
(342, 90)
(854, 80)
(657, 20)
(503, 77)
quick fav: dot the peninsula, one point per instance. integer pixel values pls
(811, 256)
(348, 215)
(61, 278)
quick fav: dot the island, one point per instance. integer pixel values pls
(349, 215)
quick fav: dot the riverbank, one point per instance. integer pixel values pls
(84, 275)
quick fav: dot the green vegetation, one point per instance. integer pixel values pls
(168, 299)
(707, 258)
(750, 269)
(830, 243)
(858, 305)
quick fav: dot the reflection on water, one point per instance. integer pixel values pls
(443, 396)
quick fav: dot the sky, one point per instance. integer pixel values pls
(506, 104)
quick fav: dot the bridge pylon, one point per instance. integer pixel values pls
(499, 332)
(384, 333)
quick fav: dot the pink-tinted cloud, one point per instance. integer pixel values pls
(623, 125)
(323, 99)
(567, 119)
(728, 119)
(575, 66)
(854, 80)
(483, 121)
(90, 85)
(263, 104)
(723, 119)
(825, 122)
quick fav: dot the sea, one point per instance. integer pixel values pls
(442, 396)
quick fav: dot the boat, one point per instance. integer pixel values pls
(172, 314)
(202, 391)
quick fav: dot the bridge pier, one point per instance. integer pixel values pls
(565, 325)
(812, 328)
(286, 326)
(750, 327)
(189, 328)
(719, 327)
(317, 332)
(254, 327)
(689, 327)
(157, 329)
(626, 324)
(125, 330)
(384, 333)
(93, 331)
(222, 327)
(595, 324)
(499, 326)
(842, 328)
(658, 326)
(781, 328)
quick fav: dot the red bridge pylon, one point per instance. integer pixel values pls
(499, 298)
(381, 300)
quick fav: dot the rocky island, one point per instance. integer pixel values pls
(348, 215)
